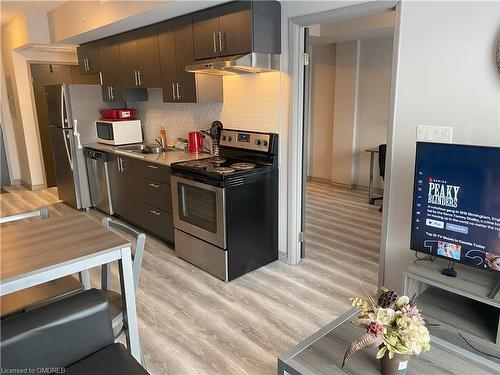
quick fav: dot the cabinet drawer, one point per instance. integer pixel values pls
(158, 222)
(156, 172)
(158, 194)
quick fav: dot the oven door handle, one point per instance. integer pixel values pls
(196, 184)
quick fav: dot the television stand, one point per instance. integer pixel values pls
(450, 270)
(462, 312)
(494, 290)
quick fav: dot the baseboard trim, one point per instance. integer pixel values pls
(33, 187)
(328, 182)
(343, 186)
(283, 257)
(16, 182)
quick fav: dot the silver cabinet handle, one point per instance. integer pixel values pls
(112, 89)
(135, 78)
(220, 41)
(215, 44)
(154, 185)
(100, 78)
(88, 65)
(85, 66)
(109, 92)
(121, 163)
(118, 164)
(152, 166)
(139, 77)
(179, 96)
(173, 91)
(154, 212)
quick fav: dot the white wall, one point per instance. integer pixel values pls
(360, 111)
(446, 76)
(322, 110)
(8, 133)
(374, 83)
(345, 112)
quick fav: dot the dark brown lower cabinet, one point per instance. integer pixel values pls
(141, 195)
(158, 222)
(125, 193)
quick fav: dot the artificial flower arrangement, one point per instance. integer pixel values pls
(393, 323)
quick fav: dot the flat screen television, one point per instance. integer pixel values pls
(456, 204)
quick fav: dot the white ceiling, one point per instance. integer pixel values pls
(369, 27)
(10, 9)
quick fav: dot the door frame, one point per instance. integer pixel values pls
(295, 132)
(35, 114)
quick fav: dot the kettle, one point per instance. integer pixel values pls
(195, 142)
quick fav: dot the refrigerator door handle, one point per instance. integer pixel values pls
(66, 134)
(77, 134)
(64, 120)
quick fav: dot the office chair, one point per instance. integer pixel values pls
(382, 151)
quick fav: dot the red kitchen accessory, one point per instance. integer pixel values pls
(118, 114)
(195, 142)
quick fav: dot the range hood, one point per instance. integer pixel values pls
(237, 64)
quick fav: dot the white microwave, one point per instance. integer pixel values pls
(118, 132)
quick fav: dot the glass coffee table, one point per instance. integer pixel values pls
(322, 354)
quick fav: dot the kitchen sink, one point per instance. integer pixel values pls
(143, 149)
(139, 147)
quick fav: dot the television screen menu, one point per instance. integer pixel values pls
(456, 203)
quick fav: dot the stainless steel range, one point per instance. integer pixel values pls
(226, 207)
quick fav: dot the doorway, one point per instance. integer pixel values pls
(45, 75)
(344, 160)
(350, 149)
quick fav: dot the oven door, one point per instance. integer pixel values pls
(199, 210)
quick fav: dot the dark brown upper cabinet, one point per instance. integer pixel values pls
(175, 39)
(111, 73)
(238, 27)
(88, 58)
(140, 59)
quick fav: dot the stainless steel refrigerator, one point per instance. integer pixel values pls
(72, 111)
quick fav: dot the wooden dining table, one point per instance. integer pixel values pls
(36, 252)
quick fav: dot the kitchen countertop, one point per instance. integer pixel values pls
(164, 158)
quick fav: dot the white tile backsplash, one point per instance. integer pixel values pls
(177, 118)
(251, 102)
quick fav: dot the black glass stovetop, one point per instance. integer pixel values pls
(218, 167)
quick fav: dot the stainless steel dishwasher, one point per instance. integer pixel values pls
(98, 173)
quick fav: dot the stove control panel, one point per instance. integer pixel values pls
(245, 140)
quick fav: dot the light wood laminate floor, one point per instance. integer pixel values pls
(193, 323)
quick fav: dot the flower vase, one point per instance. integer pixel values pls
(395, 366)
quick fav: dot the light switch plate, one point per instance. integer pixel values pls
(438, 134)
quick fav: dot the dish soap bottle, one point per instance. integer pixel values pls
(163, 136)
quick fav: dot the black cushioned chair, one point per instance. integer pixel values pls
(382, 152)
(74, 334)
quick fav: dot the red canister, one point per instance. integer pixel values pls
(195, 142)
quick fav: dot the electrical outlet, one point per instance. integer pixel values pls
(438, 134)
